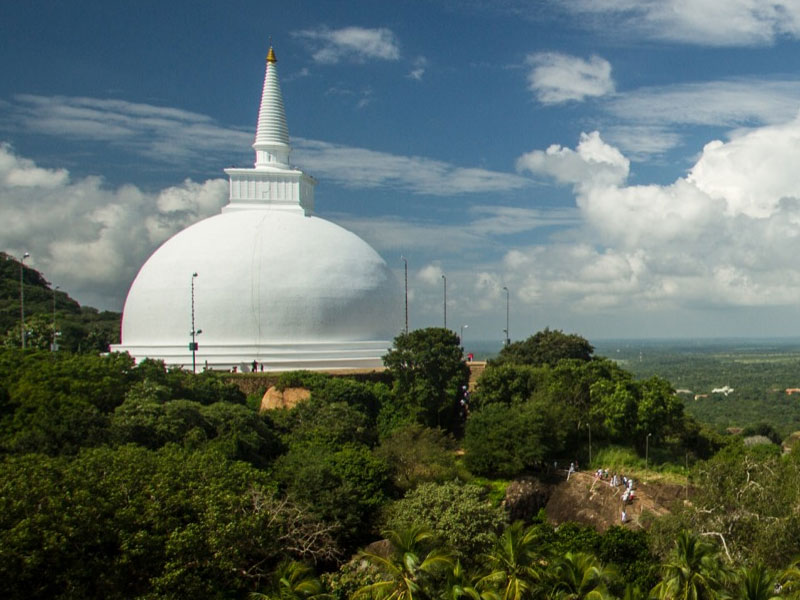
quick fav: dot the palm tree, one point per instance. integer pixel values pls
(756, 583)
(460, 584)
(579, 576)
(293, 580)
(511, 564)
(409, 569)
(694, 571)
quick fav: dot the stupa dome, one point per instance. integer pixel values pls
(264, 280)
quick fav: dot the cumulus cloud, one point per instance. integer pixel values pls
(89, 238)
(592, 163)
(555, 78)
(726, 234)
(356, 44)
(702, 22)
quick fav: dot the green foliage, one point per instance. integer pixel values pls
(505, 441)
(331, 424)
(343, 487)
(429, 376)
(507, 383)
(459, 515)
(748, 495)
(629, 550)
(545, 348)
(759, 372)
(511, 567)
(693, 570)
(417, 454)
(411, 570)
(128, 522)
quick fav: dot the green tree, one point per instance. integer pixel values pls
(430, 376)
(506, 441)
(459, 515)
(117, 523)
(344, 487)
(546, 347)
(579, 576)
(756, 582)
(293, 580)
(411, 568)
(693, 571)
(511, 566)
(417, 454)
(507, 383)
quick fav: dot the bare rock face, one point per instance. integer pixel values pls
(288, 398)
(525, 497)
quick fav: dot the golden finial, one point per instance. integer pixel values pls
(271, 56)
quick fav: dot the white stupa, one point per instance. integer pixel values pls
(274, 284)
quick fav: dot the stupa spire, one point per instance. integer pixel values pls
(272, 134)
(272, 184)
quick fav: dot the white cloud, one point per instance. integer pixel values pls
(420, 64)
(728, 103)
(431, 274)
(640, 142)
(702, 22)
(593, 162)
(726, 235)
(185, 138)
(89, 238)
(557, 78)
(362, 168)
(160, 133)
(357, 44)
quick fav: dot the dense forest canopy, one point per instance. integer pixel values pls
(120, 480)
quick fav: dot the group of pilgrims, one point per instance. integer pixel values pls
(614, 480)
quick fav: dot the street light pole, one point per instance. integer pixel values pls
(508, 336)
(405, 262)
(445, 301)
(54, 347)
(22, 299)
(193, 345)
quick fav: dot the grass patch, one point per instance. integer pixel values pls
(618, 459)
(496, 488)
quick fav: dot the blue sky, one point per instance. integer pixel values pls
(626, 168)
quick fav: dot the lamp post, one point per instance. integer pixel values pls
(445, 300)
(508, 336)
(22, 299)
(647, 450)
(54, 347)
(405, 262)
(193, 345)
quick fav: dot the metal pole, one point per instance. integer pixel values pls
(194, 343)
(22, 299)
(445, 301)
(54, 347)
(508, 335)
(647, 450)
(589, 425)
(405, 261)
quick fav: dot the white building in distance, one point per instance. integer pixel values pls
(264, 281)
